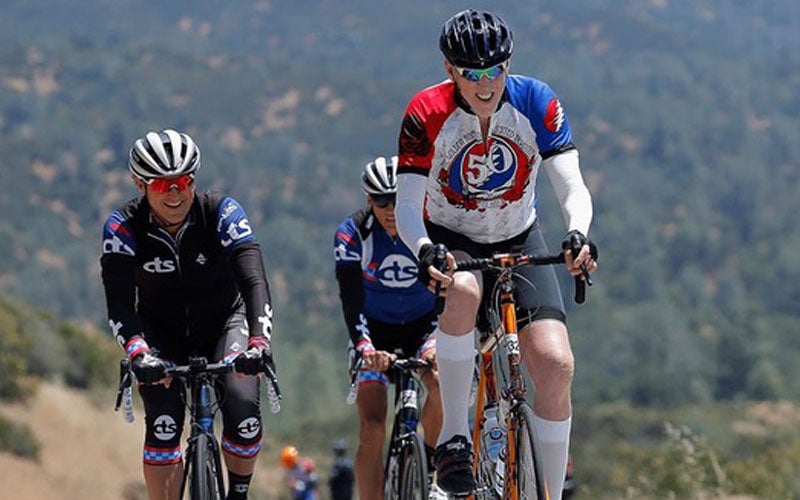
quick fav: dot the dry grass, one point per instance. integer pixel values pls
(87, 452)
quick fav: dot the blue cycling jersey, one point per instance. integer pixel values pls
(389, 290)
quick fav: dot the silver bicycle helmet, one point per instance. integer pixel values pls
(380, 176)
(163, 154)
(476, 39)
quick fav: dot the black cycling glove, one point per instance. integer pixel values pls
(431, 255)
(148, 368)
(574, 241)
(252, 361)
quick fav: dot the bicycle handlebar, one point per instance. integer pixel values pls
(399, 364)
(408, 364)
(512, 260)
(197, 366)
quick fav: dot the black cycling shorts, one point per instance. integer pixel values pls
(405, 340)
(538, 295)
(238, 396)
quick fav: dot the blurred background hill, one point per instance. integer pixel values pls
(685, 114)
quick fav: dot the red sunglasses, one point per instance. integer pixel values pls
(162, 186)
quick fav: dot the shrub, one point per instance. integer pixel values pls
(18, 440)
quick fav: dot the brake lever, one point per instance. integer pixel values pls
(441, 256)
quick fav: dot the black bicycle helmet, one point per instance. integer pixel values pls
(164, 154)
(380, 176)
(476, 39)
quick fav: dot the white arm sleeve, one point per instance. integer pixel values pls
(408, 210)
(573, 195)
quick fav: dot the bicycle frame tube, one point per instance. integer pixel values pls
(406, 418)
(202, 392)
(204, 415)
(487, 392)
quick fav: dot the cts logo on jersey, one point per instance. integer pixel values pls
(395, 271)
(554, 115)
(158, 266)
(266, 322)
(116, 245)
(236, 231)
(342, 254)
(249, 428)
(233, 225)
(116, 326)
(475, 175)
(164, 428)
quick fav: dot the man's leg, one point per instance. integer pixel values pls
(549, 361)
(163, 481)
(242, 432)
(240, 472)
(455, 355)
(371, 404)
(162, 461)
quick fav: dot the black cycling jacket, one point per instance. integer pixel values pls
(179, 292)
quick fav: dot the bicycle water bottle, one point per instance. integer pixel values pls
(500, 472)
(494, 435)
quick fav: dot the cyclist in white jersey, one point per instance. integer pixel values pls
(469, 152)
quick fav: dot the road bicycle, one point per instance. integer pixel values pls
(406, 466)
(515, 472)
(203, 466)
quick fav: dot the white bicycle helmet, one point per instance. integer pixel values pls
(163, 154)
(380, 176)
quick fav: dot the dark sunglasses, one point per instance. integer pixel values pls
(383, 200)
(162, 186)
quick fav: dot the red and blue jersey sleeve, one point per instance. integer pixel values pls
(347, 244)
(542, 107)
(424, 117)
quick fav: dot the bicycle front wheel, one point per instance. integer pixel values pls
(413, 470)
(204, 478)
(524, 467)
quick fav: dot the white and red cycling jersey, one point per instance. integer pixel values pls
(484, 190)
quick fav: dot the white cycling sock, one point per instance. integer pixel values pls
(455, 357)
(552, 438)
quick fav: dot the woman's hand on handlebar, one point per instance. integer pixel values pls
(378, 360)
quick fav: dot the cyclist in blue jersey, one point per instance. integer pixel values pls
(385, 307)
(469, 152)
(183, 276)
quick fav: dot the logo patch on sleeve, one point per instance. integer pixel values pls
(554, 116)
